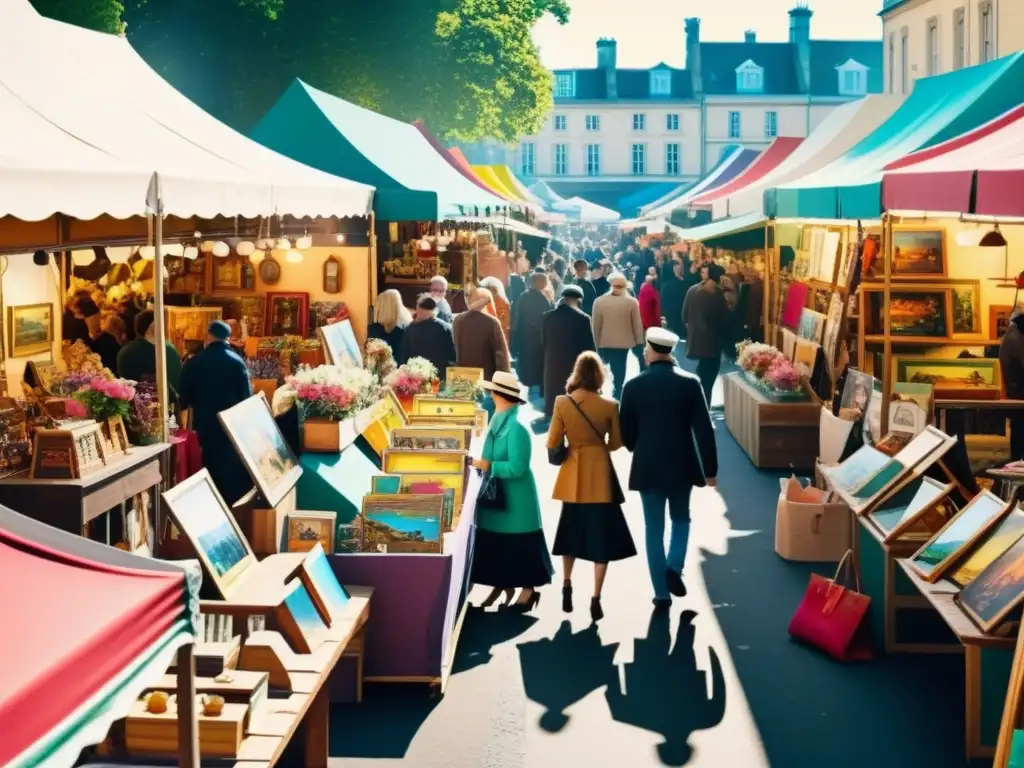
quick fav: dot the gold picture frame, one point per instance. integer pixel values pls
(463, 373)
(258, 441)
(917, 254)
(403, 522)
(199, 512)
(431, 438)
(943, 549)
(30, 329)
(431, 405)
(307, 529)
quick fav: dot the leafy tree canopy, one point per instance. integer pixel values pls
(468, 68)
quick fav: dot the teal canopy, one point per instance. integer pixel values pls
(413, 181)
(938, 109)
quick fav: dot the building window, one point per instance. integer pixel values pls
(560, 122)
(932, 47)
(959, 39)
(593, 122)
(526, 163)
(853, 79)
(671, 159)
(672, 122)
(734, 125)
(593, 159)
(904, 62)
(892, 63)
(986, 30)
(639, 159)
(749, 78)
(771, 125)
(661, 83)
(565, 85)
(639, 121)
(560, 164)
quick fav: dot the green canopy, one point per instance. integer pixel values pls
(938, 109)
(414, 183)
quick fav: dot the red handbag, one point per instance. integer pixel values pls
(834, 618)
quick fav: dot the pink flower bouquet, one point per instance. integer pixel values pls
(783, 376)
(104, 398)
(413, 378)
(330, 392)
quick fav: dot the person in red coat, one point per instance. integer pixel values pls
(650, 311)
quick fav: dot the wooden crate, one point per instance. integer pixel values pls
(774, 435)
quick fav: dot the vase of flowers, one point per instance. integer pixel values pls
(328, 398)
(109, 401)
(265, 373)
(755, 359)
(144, 423)
(416, 377)
(783, 381)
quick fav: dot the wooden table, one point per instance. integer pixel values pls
(987, 662)
(775, 435)
(71, 505)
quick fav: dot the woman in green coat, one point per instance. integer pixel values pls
(510, 552)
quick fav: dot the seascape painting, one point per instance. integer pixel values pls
(300, 621)
(323, 585)
(988, 548)
(899, 511)
(918, 253)
(911, 313)
(30, 329)
(857, 469)
(933, 558)
(201, 514)
(996, 590)
(402, 522)
(262, 447)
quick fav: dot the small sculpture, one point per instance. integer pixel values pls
(156, 702)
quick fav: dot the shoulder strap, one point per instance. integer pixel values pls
(587, 418)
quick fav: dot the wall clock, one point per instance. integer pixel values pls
(332, 275)
(270, 270)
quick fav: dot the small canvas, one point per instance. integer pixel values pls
(400, 461)
(298, 619)
(307, 530)
(856, 470)
(988, 548)
(402, 522)
(935, 557)
(340, 344)
(329, 596)
(997, 590)
(259, 443)
(899, 512)
(386, 484)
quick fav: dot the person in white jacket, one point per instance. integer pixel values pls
(617, 329)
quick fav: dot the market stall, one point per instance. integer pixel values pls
(731, 165)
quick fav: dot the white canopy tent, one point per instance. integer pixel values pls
(585, 212)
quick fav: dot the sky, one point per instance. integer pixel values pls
(651, 31)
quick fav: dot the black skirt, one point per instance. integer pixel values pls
(511, 560)
(597, 533)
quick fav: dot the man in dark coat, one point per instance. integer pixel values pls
(580, 267)
(599, 277)
(706, 317)
(567, 334)
(527, 331)
(429, 338)
(213, 381)
(666, 426)
(673, 291)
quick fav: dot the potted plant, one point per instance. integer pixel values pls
(109, 401)
(329, 398)
(265, 373)
(416, 377)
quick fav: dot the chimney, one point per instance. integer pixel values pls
(693, 64)
(800, 38)
(750, 36)
(607, 59)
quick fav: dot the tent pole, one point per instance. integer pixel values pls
(887, 316)
(769, 277)
(371, 258)
(160, 339)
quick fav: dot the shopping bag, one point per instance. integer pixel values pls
(834, 618)
(808, 526)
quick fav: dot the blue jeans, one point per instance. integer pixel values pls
(658, 561)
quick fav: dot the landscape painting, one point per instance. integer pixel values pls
(966, 300)
(933, 559)
(262, 448)
(988, 548)
(323, 586)
(857, 469)
(341, 345)
(299, 620)
(997, 590)
(402, 522)
(918, 253)
(911, 313)
(31, 329)
(971, 373)
(423, 439)
(899, 512)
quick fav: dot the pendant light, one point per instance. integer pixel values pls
(303, 243)
(282, 244)
(221, 249)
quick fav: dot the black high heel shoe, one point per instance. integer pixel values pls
(527, 605)
(567, 598)
(596, 611)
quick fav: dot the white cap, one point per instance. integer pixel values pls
(660, 337)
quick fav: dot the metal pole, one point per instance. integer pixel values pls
(371, 261)
(766, 287)
(158, 307)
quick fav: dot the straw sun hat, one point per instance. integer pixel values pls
(505, 384)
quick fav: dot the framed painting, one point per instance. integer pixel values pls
(200, 513)
(287, 314)
(918, 253)
(341, 346)
(298, 619)
(908, 505)
(857, 392)
(444, 461)
(307, 529)
(434, 483)
(812, 325)
(402, 522)
(956, 536)
(30, 329)
(999, 320)
(328, 594)
(913, 311)
(997, 590)
(856, 470)
(834, 321)
(430, 405)
(1000, 538)
(381, 484)
(965, 298)
(259, 443)
(431, 438)
(960, 378)
(462, 373)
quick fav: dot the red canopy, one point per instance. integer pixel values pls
(451, 158)
(71, 626)
(765, 163)
(986, 163)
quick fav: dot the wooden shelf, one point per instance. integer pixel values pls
(931, 341)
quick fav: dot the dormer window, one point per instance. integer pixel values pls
(853, 78)
(749, 78)
(661, 83)
(565, 85)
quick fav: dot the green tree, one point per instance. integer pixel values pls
(101, 15)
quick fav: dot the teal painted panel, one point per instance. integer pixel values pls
(995, 677)
(872, 581)
(335, 482)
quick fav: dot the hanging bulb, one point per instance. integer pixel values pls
(221, 249)
(304, 242)
(190, 252)
(282, 244)
(341, 239)
(262, 244)
(293, 256)
(245, 248)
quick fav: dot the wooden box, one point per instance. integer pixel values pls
(774, 435)
(66, 454)
(148, 734)
(326, 436)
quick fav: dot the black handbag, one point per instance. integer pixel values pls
(558, 454)
(492, 494)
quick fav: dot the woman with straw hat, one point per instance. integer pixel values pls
(510, 552)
